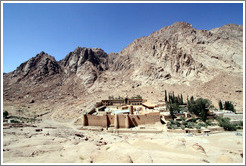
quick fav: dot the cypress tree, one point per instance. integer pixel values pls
(220, 105)
(179, 102)
(171, 112)
(192, 99)
(182, 102)
(165, 96)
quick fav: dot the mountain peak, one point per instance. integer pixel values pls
(181, 25)
(41, 65)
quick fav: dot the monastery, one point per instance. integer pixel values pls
(122, 113)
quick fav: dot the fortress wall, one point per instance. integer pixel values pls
(150, 118)
(121, 121)
(93, 120)
(110, 119)
(134, 120)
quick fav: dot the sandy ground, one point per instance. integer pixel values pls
(65, 143)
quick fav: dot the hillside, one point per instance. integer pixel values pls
(179, 58)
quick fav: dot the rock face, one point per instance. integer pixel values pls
(205, 63)
(86, 63)
(41, 65)
(182, 51)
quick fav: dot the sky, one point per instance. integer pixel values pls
(58, 28)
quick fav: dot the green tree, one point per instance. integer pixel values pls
(5, 114)
(229, 106)
(192, 99)
(182, 101)
(199, 107)
(220, 105)
(226, 124)
(182, 127)
(173, 109)
(171, 112)
(165, 96)
(169, 98)
(139, 97)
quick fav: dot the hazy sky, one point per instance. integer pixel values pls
(58, 29)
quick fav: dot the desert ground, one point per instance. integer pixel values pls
(66, 143)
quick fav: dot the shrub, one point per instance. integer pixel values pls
(208, 123)
(139, 97)
(182, 127)
(177, 123)
(199, 107)
(5, 114)
(184, 123)
(229, 106)
(240, 123)
(201, 124)
(190, 125)
(239, 127)
(169, 125)
(174, 126)
(172, 121)
(226, 124)
(213, 124)
(193, 120)
(198, 127)
(14, 121)
(111, 97)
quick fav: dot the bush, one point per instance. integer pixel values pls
(5, 114)
(172, 121)
(139, 97)
(177, 123)
(199, 107)
(198, 127)
(201, 124)
(184, 123)
(14, 121)
(229, 106)
(208, 123)
(213, 124)
(111, 97)
(226, 124)
(240, 123)
(169, 125)
(190, 125)
(239, 127)
(193, 120)
(174, 126)
(182, 127)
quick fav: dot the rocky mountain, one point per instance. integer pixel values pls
(86, 63)
(180, 58)
(184, 52)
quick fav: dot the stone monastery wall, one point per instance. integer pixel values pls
(121, 120)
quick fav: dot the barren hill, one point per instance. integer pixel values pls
(179, 58)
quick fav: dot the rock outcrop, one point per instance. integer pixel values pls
(42, 65)
(86, 63)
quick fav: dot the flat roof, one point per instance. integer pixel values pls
(120, 111)
(148, 104)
